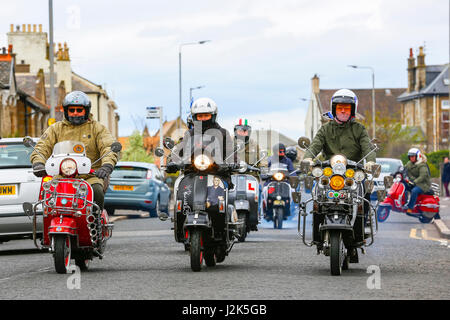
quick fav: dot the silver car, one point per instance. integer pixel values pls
(388, 167)
(17, 185)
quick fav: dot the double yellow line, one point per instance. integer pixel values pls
(424, 236)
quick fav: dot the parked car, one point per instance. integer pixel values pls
(17, 185)
(137, 186)
(388, 166)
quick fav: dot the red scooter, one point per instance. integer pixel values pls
(425, 209)
(74, 227)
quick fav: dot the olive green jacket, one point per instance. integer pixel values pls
(96, 138)
(349, 139)
(419, 173)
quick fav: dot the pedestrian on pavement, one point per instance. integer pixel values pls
(445, 178)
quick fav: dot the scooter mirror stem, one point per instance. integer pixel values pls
(28, 142)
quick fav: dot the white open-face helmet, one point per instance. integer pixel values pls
(344, 96)
(204, 105)
(415, 152)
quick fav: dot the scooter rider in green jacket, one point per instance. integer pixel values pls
(343, 136)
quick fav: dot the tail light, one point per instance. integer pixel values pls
(222, 206)
(149, 174)
(179, 202)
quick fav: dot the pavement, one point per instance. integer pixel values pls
(443, 225)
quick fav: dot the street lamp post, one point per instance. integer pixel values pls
(52, 77)
(373, 96)
(190, 92)
(179, 70)
(312, 116)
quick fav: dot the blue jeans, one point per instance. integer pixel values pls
(415, 191)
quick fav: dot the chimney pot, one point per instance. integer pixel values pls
(17, 28)
(40, 28)
(23, 28)
(34, 28)
(29, 27)
(12, 27)
(3, 50)
(10, 49)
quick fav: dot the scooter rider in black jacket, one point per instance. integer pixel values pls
(205, 132)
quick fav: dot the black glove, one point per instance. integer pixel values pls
(223, 168)
(39, 169)
(104, 171)
(172, 167)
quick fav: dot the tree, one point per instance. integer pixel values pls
(135, 150)
(393, 138)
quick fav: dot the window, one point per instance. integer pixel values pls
(14, 155)
(445, 105)
(445, 125)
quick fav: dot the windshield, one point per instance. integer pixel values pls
(278, 166)
(66, 147)
(389, 166)
(15, 156)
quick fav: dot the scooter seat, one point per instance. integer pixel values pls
(429, 193)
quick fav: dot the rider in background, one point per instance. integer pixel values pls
(419, 176)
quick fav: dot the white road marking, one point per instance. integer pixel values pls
(146, 233)
(26, 273)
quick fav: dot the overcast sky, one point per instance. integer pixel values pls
(261, 57)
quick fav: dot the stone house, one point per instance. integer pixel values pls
(425, 103)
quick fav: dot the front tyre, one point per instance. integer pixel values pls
(278, 218)
(242, 229)
(62, 253)
(196, 250)
(337, 252)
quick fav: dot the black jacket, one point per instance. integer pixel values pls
(446, 172)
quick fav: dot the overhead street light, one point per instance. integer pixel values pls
(179, 70)
(190, 92)
(373, 95)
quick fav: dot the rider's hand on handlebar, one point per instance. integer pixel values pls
(39, 169)
(172, 167)
(309, 160)
(104, 171)
(368, 166)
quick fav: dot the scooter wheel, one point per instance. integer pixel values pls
(383, 213)
(62, 253)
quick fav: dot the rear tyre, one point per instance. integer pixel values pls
(337, 252)
(210, 258)
(153, 213)
(83, 263)
(383, 213)
(220, 253)
(196, 250)
(62, 253)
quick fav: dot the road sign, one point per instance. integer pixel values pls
(153, 112)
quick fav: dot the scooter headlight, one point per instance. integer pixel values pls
(359, 176)
(339, 168)
(317, 172)
(202, 162)
(68, 167)
(337, 182)
(278, 176)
